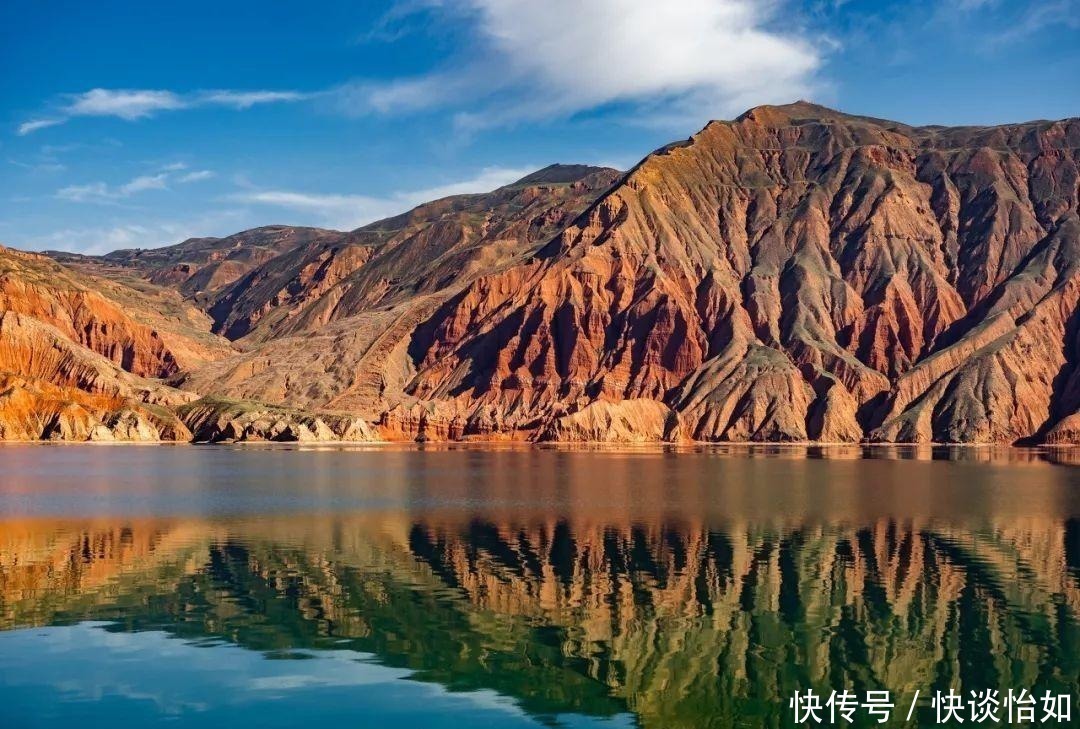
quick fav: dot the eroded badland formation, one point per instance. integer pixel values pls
(796, 274)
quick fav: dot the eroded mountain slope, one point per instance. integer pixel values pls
(199, 266)
(327, 324)
(144, 329)
(795, 274)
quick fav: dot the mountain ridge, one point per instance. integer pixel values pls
(794, 274)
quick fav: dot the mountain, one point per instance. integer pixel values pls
(328, 324)
(793, 274)
(147, 330)
(294, 299)
(82, 357)
(200, 265)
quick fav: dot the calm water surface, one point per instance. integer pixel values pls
(280, 587)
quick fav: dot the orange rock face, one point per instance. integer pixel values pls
(148, 333)
(80, 357)
(328, 324)
(54, 389)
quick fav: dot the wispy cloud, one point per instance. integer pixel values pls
(346, 212)
(36, 124)
(195, 176)
(674, 61)
(1039, 16)
(103, 193)
(144, 182)
(134, 104)
(47, 166)
(125, 104)
(247, 99)
(671, 62)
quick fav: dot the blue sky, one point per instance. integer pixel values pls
(135, 124)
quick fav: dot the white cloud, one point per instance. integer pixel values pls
(93, 192)
(489, 178)
(92, 241)
(671, 62)
(345, 212)
(693, 59)
(100, 192)
(247, 99)
(35, 124)
(1037, 17)
(144, 182)
(123, 103)
(47, 166)
(195, 176)
(134, 104)
(103, 193)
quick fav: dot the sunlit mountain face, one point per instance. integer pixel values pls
(709, 608)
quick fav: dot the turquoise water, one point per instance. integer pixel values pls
(278, 587)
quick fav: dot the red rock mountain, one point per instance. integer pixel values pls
(794, 274)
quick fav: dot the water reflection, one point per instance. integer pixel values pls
(690, 592)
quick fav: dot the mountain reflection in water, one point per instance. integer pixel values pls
(688, 591)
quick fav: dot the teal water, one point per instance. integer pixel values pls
(506, 587)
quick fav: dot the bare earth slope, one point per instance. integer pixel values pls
(82, 357)
(144, 329)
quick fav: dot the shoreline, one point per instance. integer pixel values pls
(511, 444)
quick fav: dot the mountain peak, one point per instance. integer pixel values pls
(560, 173)
(773, 113)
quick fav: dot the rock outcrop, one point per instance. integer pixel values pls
(200, 266)
(625, 421)
(53, 389)
(212, 420)
(74, 350)
(327, 325)
(38, 410)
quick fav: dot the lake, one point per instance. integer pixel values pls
(513, 586)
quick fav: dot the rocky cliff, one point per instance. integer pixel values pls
(794, 274)
(83, 357)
